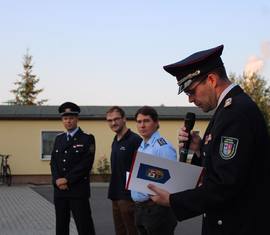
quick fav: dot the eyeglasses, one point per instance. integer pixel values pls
(117, 119)
(191, 92)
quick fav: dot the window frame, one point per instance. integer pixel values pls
(47, 157)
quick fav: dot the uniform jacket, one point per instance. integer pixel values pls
(233, 197)
(73, 160)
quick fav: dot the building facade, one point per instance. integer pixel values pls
(27, 134)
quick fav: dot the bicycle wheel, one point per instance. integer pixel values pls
(7, 178)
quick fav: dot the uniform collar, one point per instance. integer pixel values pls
(225, 92)
(152, 139)
(72, 133)
(235, 90)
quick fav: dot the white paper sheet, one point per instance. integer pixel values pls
(148, 169)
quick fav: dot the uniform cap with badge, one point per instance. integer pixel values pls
(195, 66)
(69, 108)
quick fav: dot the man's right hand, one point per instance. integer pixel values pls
(61, 183)
(182, 137)
(195, 140)
(63, 187)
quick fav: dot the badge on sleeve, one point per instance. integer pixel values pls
(228, 147)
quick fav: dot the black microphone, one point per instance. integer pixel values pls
(189, 124)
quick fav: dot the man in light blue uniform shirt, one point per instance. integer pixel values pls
(150, 218)
(159, 147)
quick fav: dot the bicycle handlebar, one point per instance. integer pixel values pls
(5, 155)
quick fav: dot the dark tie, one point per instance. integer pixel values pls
(69, 137)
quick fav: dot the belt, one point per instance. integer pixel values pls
(145, 203)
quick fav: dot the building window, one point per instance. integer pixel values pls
(47, 141)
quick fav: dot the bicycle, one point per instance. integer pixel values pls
(5, 172)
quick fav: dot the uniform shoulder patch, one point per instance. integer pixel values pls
(161, 141)
(228, 147)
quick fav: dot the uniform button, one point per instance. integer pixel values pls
(204, 154)
(204, 215)
(219, 222)
(65, 151)
(77, 151)
(64, 160)
(64, 169)
(56, 150)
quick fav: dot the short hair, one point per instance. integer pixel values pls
(221, 72)
(116, 109)
(147, 110)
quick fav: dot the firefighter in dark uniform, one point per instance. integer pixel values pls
(233, 195)
(71, 163)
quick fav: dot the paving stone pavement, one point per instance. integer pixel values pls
(25, 212)
(29, 210)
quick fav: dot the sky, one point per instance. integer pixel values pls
(113, 52)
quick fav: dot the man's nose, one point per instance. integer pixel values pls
(141, 124)
(190, 99)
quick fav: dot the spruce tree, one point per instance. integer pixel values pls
(25, 91)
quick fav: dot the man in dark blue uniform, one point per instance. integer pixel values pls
(233, 195)
(71, 162)
(124, 147)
